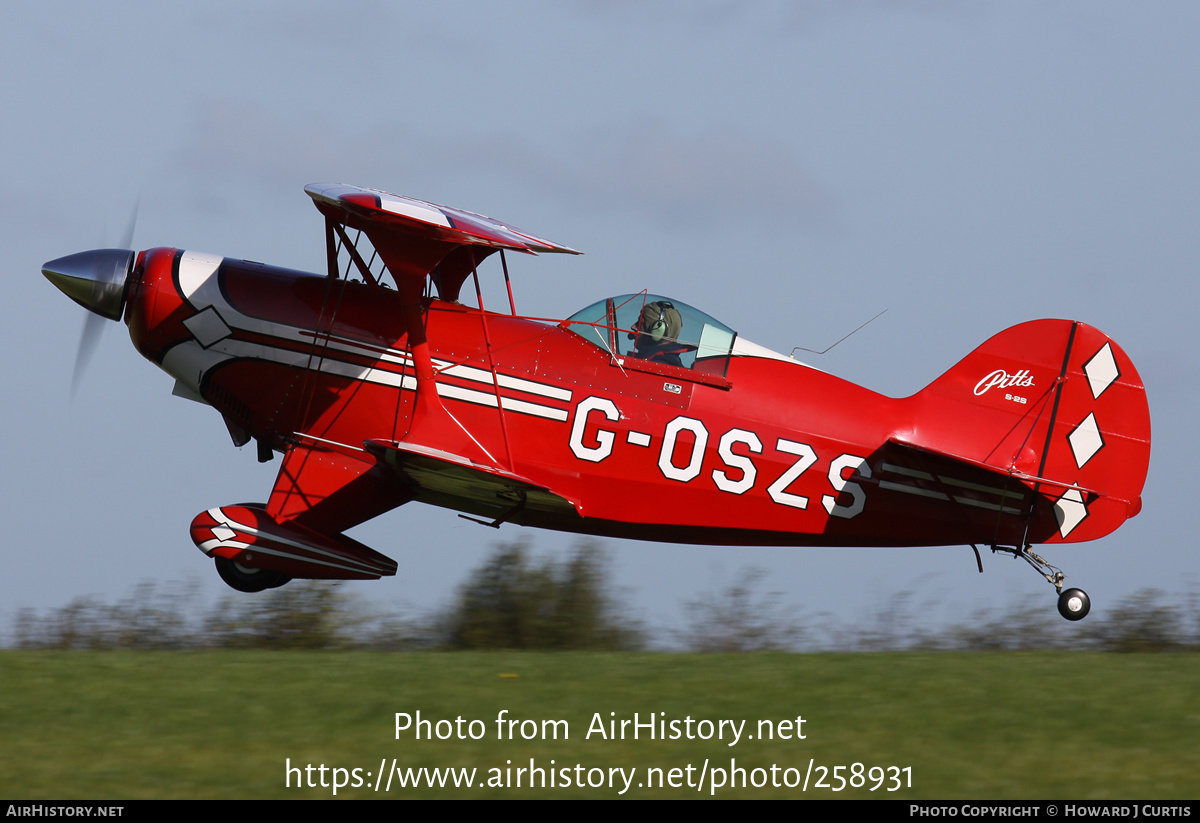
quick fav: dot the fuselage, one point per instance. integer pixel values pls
(751, 448)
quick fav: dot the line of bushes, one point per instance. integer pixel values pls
(518, 601)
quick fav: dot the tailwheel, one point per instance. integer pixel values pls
(1074, 604)
(247, 578)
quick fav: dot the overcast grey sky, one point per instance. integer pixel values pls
(792, 168)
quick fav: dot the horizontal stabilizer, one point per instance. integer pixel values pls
(1001, 477)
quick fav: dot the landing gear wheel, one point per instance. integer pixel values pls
(1074, 604)
(247, 578)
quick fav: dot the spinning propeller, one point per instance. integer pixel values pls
(98, 281)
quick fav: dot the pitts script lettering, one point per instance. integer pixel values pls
(1000, 379)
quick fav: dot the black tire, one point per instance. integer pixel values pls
(1074, 604)
(248, 579)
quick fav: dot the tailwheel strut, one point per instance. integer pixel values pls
(1073, 604)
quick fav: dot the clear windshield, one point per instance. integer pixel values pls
(653, 327)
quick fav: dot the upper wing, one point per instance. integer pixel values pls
(378, 211)
(414, 237)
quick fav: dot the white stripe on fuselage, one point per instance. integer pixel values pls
(189, 361)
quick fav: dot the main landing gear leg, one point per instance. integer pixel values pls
(1073, 604)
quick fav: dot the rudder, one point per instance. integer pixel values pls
(1056, 404)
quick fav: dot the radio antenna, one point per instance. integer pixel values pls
(823, 351)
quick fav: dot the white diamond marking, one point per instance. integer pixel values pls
(1085, 440)
(1070, 511)
(207, 327)
(1101, 370)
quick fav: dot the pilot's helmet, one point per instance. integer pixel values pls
(660, 320)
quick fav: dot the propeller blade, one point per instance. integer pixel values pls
(127, 238)
(97, 281)
(89, 339)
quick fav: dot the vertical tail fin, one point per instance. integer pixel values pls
(1056, 404)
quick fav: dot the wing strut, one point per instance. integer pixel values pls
(363, 268)
(512, 305)
(419, 243)
(320, 341)
(487, 342)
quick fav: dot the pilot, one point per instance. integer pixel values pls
(657, 334)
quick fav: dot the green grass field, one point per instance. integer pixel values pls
(127, 725)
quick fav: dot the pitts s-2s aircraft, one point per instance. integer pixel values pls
(637, 417)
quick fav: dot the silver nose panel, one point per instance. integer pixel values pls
(94, 279)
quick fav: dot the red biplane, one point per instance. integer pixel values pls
(637, 417)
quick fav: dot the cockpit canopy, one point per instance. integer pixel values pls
(655, 328)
